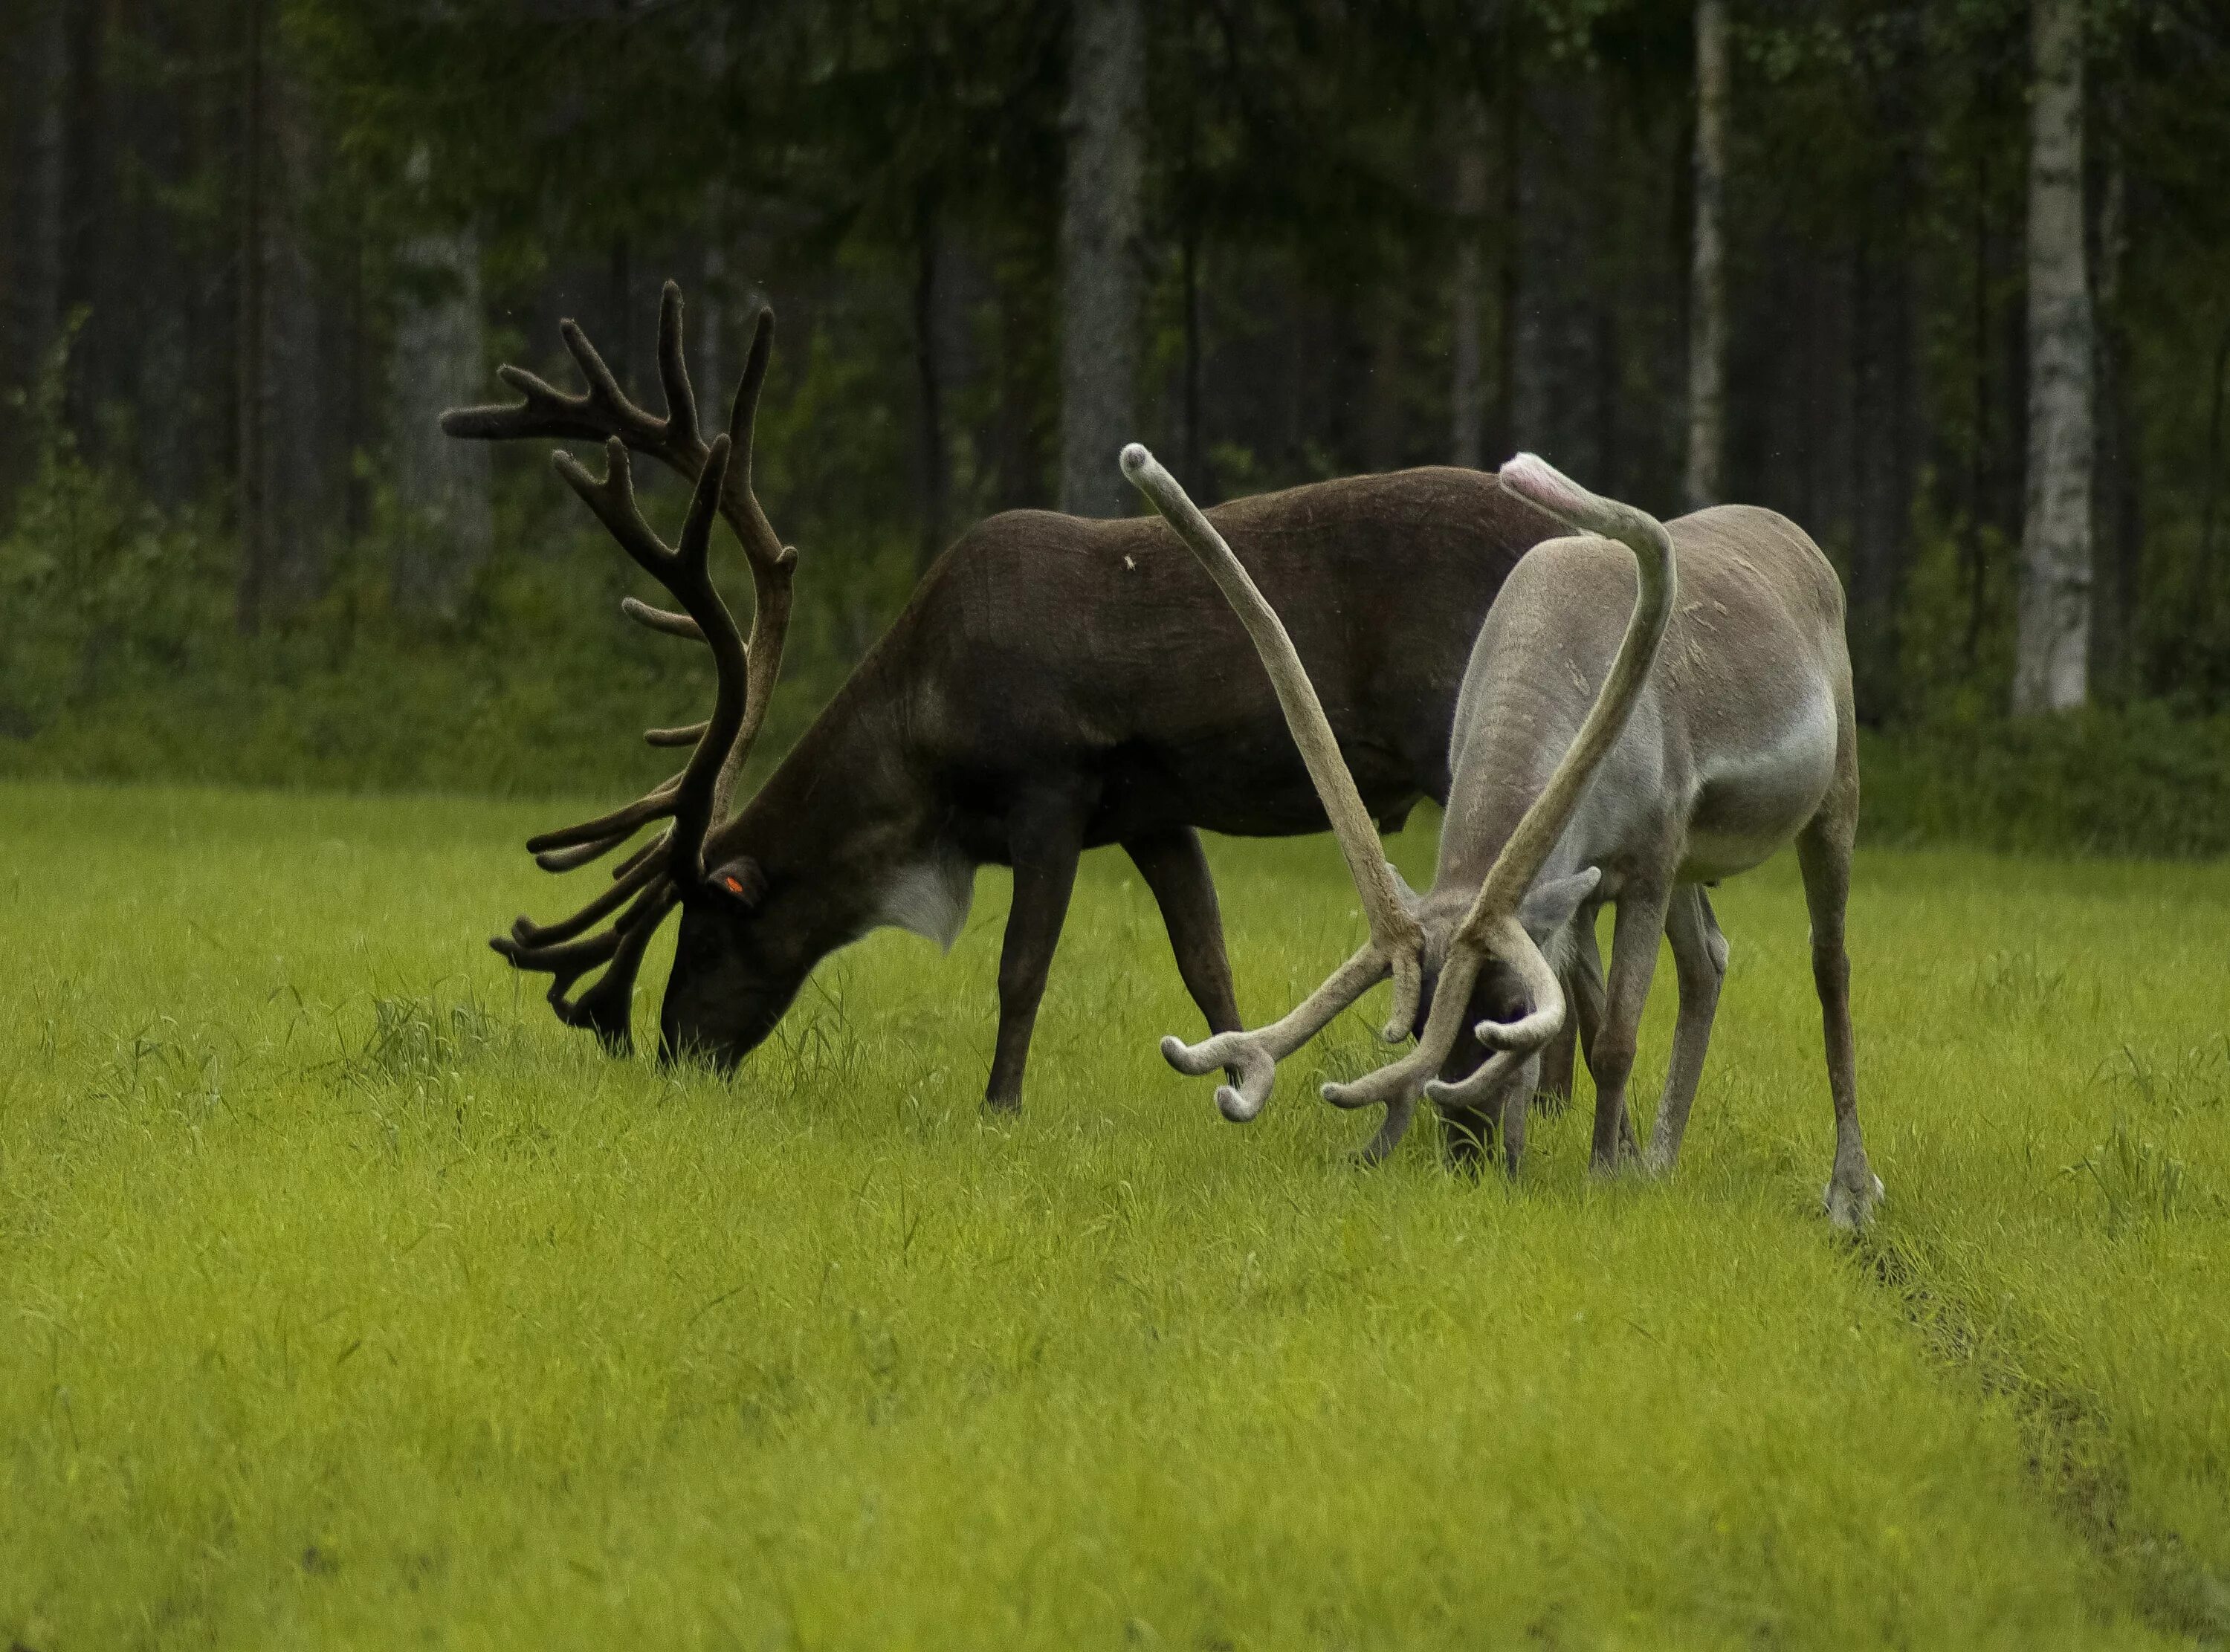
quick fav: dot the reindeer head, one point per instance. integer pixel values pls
(730, 981)
(1483, 950)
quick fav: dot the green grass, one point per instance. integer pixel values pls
(346, 1299)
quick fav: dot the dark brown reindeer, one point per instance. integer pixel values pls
(1055, 684)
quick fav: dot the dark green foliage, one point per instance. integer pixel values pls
(889, 176)
(2137, 781)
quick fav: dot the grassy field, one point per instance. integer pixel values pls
(347, 1300)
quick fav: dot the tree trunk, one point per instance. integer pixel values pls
(1557, 376)
(287, 500)
(1467, 389)
(251, 470)
(2052, 641)
(1510, 85)
(1023, 435)
(31, 260)
(1707, 275)
(934, 461)
(1882, 454)
(1884, 446)
(1383, 446)
(2118, 529)
(90, 209)
(441, 485)
(1100, 229)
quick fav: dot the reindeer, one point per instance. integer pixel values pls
(1055, 684)
(1588, 769)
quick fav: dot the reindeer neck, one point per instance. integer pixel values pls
(1503, 767)
(844, 800)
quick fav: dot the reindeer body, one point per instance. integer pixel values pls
(1055, 684)
(1732, 743)
(1643, 714)
(1058, 683)
(1740, 741)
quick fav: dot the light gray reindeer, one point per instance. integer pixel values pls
(1589, 766)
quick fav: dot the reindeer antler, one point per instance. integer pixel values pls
(1491, 928)
(696, 799)
(1396, 940)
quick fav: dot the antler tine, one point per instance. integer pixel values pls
(564, 860)
(681, 432)
(657, 845)
(612, 500)
(526, 948)
(1255, 1055)
(744, 414)
(604, 409)
(1395, 933)
(615, 828)
(773, 564)
(605, 1006)
(528, 934)
(640, 428)
(1511, 1041)
(673, 625)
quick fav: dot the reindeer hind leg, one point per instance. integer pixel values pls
(1699, 962)
(1823, 853)
(1175, 867)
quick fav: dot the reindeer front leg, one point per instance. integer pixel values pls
(1633, 963)
(1583, 986)
(1045, 837)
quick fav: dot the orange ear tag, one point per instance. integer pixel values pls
(735, 885)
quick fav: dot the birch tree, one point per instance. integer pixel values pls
(441, 486)
(1707, 284)
(1100, 221)
(2052, 622)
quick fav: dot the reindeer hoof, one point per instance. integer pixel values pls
(1850, 1209)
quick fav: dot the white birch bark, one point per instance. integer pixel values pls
(1707, 281)
(1100, 220)
(2053, 621)
(441, 485)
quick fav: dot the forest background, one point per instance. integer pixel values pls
(1948, 283)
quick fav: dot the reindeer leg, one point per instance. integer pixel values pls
(1633, 963)
(1823, 853)
(1699, 961)
(1045, 837)
(1584, 987)
(1560, 1069)
(1175, 870)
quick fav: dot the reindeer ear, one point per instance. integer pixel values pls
(736, 884)
(1549, 907)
